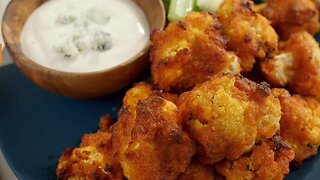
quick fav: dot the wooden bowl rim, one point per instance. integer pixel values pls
(127, 62)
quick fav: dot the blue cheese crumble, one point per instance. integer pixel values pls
(86, 33)
(80, 41)
(66, 18)
(98, 15)
(101, 41)
(68, 50)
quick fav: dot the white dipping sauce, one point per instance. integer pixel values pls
(84, 35)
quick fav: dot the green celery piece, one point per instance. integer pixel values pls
(166, 4)
(209, 5)
(180, 8)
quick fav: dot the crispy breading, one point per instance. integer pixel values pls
(300, 123)
(267, 161)
(105, 123)
(296, 65)
(148, 138)
(227, 115)
(291, 16)
(197, 171)
(188, 52)
(92, 160)
(249, 33)
(139, 91)
(171, 97)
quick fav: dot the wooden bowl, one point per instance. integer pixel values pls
(76, 85)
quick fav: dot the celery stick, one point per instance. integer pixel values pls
(180, 8)
(166, 4)
(209, 5)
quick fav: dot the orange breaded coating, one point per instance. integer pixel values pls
(197, 171)
(92, 160)
(188, 52)
(227, 115)
(140, 91)
(267, 161)
(249, 33)
(148, 138)
(127, 115)
(300, 123)
(296, 65)
(291, 16)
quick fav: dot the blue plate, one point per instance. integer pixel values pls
(36, 126)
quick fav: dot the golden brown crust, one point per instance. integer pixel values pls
(188, 52)
(105, 123)
(148, 139)
(170, 97)
(249, 33)
(296, 65)
(267, 161)
(300, 123)
(227, 115)
(197, 171)
(139, 91)
(92, 160)
(291, 16)
(127, 115)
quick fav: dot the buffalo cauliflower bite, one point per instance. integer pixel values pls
(148, 138)
(227, 115)
(291, 16)
(296, 65)
(190, 51)
(267, 161)
(93, 159)
(300, 123)
(249, 33)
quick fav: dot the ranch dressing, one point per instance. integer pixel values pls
(83, 35)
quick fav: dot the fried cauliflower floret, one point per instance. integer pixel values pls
(92, 160)
(197, 171)
(188, 52)
(267, 161)
(249, 33)
(140, 91)
(296, 65)
(227, 115)
(291, 16)
(148, 139)
(300, 123)
(279, 70)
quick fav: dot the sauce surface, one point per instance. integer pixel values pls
(84, 36)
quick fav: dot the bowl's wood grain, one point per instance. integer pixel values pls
(77, 85)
